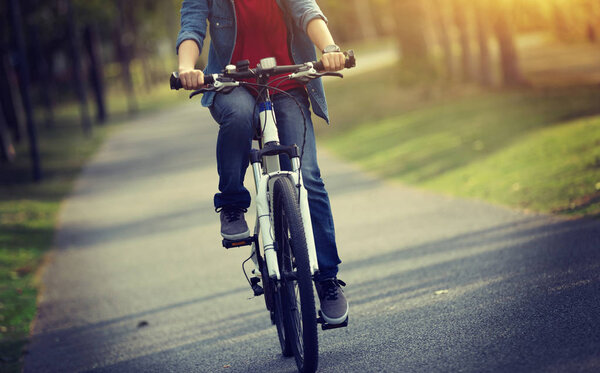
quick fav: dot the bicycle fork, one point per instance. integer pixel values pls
(270, 154)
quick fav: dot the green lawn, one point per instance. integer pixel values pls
(28, 211)
(28, 214)
(551, 169)
(536, 149)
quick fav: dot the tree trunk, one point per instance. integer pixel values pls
(362, 8)
(96, 71)
(410, 33)
(509, 59)
(439, 16)
(8, 84)
(43, 75)
(23, 71)
(460, 20)
(7, 150)
(78, 79)
(485, 64)
(123, 39)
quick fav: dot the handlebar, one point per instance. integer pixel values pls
(230, 76)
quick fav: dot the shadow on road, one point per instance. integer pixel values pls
(517, 297)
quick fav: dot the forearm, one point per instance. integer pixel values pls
(319, 34)
(188, 55)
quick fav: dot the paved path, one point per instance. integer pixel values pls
(139, 283)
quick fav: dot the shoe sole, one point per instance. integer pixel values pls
(337, 320)
(239, 236)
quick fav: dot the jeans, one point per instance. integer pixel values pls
(236, 114)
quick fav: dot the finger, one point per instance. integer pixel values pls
(326, 64)
(340, 61)
(182, 79)
(332, 62)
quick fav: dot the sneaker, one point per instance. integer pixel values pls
(233, 224)
(334, 306)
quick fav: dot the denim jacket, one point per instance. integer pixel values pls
(220, 15)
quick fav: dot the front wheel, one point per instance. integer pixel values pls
(297, 296)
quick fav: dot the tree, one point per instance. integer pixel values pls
(96, 70)
(23, 72)
(460, 9)
(123, 39)
(78, 80)
(7, 150)
(362, 9)
(8, 85)
(411, 28)
(509, 58)
(438, 12)
(485, 66)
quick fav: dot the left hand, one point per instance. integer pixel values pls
(333, 61)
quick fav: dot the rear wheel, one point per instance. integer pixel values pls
(296, 286)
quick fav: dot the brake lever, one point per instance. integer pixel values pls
(201, 90)
(220, 86)
(331, 73)
(310, 73)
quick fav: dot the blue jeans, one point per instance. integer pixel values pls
(236, 114)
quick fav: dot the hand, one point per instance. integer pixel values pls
(333, 61)
(191, 78)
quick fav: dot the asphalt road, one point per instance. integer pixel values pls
(138, 281)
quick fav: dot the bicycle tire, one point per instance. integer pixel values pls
(296, 284)
(274, 305)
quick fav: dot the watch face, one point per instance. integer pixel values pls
(331, 48)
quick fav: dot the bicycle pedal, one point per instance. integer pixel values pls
(228, 244)
(326, 326)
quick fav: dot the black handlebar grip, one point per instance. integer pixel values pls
(176, 82)
(350, 61)
(208, 79)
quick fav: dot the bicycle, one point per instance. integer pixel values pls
(282, 247)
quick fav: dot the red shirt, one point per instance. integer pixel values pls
(261, 32)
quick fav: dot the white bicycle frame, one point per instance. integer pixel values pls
(263, 179)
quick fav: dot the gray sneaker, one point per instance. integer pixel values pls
(334, 306)
(233, 224)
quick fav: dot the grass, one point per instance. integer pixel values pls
(513, 148)
(536, 148)
(28, 212)
(553, 169)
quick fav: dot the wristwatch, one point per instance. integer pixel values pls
(331, 48)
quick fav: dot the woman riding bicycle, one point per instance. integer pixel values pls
(251, 30)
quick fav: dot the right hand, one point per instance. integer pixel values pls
(191, 78)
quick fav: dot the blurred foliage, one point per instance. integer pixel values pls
(147, 29)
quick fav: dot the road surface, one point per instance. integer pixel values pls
(138, 281)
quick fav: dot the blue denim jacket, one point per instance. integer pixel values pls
(220, 15)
